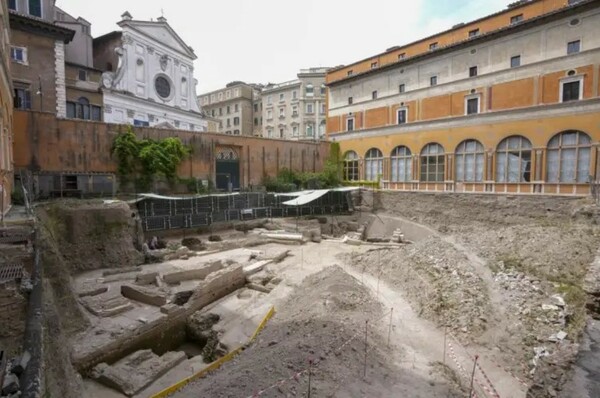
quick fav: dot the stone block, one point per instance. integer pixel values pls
(144, 295)
(10, 384)
(135, 372)
(170, 309)
(92, 289)
(147, 278)
(21, 363)
(106, 305)
(193, 274)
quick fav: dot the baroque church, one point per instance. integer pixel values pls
(149, 76)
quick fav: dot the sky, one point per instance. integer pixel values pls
(261, 41)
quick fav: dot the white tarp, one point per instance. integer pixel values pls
(307, 197)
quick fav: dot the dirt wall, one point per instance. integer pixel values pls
(93, 235)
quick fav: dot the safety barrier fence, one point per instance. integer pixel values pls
(216, 364)
(164, 213)
(475, 377)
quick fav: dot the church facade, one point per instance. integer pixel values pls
(148, 77)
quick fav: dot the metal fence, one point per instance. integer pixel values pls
(163, 213)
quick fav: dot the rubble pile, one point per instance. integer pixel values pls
(437, 279)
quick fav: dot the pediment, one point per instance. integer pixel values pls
(162, 33)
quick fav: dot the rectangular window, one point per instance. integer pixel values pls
(84, 29)
(12, 5)
(472, 71)
(323, 110)
(236, 108)
(228, 122)
(401, 55)
(236, 132)
(256, 121)
(374, 94)
(18, 54)
(323, 89)
(294, 94)
(281, 112)
(255, 107)
(309, 108)
(212, 113)
(269, 99)
(373, 65)
(573, 47)
(228, 109)
(350, 73)
(350, 100)
(280, 133)
(35, 8)
(474, 32)
(220, 111)
(516, 19)
(350, 124)
(71, 110)
(22, 99)
(295, 131)
(402, 88)
(472, 106)
(236, 121)
(269, 114)
(433, 46)
(571, 91)
(82, 75)
(433, 81)
(401, 116)
(294, 111)
(281, 97)
(96, 113)
(515, 61)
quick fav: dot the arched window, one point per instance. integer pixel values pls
(401, 164)
(513, 160)
(140, 71)
(83, 108)
(351, 166)
(469, 161)
(569, 157)
(433, 163)
(310, 90)
(373, 164)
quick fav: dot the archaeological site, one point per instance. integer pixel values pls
(331, 293)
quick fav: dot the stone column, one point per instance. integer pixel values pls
(61, 93)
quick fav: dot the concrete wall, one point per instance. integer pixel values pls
(44, 143)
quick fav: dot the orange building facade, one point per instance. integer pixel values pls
(505, 104)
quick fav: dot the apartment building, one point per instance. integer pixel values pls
(82, 80)
(296, 110)
(505, 104)
(233, 107)
(37, 55)
(6, 114)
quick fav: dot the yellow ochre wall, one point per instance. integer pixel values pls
(485, 25)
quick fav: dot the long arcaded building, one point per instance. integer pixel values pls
(507, 103)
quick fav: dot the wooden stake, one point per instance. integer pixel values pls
(366, 331)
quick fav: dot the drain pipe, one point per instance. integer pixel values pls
(31, 380)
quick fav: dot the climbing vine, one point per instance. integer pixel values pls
(146, 159)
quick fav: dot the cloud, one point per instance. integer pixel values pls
(270, 40)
